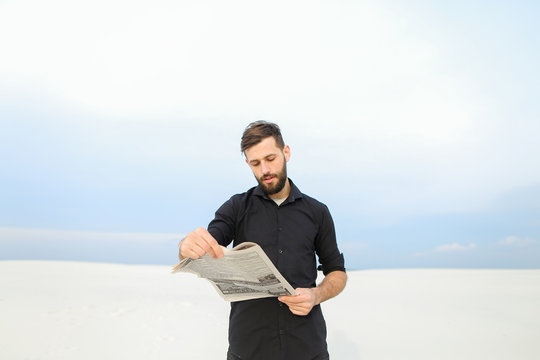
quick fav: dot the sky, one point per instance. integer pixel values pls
(416, 122)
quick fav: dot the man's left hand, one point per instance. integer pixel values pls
(302, 303)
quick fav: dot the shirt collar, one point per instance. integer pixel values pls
(293, 195)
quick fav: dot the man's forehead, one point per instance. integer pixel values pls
(266, 147)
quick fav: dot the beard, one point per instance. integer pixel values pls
(270, 189)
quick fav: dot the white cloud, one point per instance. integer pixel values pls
(446, 248)
(144, 57)
(24, 234)
(220, 59)
(352, 247)
(413, 133)
(516, 241)
(455, 247)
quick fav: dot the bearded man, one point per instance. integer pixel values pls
(293, 229)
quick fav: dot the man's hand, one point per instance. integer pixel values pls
(300, 304)
(197, 243)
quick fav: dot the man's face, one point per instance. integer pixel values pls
(268, 163)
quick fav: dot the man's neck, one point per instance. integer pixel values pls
(284, 193)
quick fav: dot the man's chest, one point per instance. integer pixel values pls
(274, 228)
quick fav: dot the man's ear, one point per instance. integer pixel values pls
(287, 152)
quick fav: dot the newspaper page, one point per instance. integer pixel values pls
(243, 273)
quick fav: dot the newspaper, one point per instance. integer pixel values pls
(243, 273)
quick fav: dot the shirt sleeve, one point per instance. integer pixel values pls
(222, 228)
(330, 257)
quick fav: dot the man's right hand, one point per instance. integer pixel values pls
(197, 243)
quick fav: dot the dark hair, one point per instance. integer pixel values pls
(258, 131)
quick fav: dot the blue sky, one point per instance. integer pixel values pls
(415, 122)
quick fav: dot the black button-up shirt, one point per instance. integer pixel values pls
(291, 235)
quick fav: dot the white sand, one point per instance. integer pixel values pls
(69, 310)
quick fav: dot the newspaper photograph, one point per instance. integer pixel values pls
(243, 273)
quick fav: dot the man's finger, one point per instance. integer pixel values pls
(290, 299)
(198, 249)
(212, 247)
(295, 299)
(193, 251)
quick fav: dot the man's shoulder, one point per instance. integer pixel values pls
(311, 199)
(237, 203)
(307, 201)
(242, 197)
(314, 203)
(297, 194)
(245, 194)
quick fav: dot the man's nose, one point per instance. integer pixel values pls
(265, 168)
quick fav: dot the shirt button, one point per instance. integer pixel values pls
(280, 251)
(281, 332)
(280, 229)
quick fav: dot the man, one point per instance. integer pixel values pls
(292, 228)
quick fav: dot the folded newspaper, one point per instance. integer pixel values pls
(243, 273)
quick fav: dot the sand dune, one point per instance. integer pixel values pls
(70, 310)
